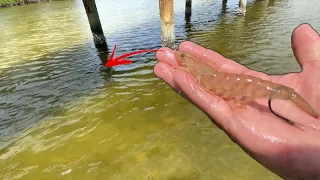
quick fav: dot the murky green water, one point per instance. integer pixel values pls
(64, 116)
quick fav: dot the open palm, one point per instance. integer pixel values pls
(292, 152)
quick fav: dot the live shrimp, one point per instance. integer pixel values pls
(240, 87)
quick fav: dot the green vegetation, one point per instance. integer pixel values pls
(5, 3)
(8, 3)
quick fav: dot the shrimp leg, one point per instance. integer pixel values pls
(243, 101)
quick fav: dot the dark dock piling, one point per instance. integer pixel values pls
(167, 23)
(188, 8)
(224, 7)
(95, 24)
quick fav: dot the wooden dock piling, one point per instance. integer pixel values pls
(242, 7)
(224, 7)
(94, 21)
(187, 15)
(188, 8)
(167, 23)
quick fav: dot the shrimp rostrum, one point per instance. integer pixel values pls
(240, 87)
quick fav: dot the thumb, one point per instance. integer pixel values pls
(306, 46)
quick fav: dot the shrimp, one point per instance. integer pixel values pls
(240, 87)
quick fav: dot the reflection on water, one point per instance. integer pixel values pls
(32, 31)
(63, 115)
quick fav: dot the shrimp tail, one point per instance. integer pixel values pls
(304, 105)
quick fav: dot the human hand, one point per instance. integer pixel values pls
(290, 152)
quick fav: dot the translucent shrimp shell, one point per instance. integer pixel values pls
(242, 88)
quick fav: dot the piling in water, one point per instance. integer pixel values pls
(188, 8)
(224, 7)
(167, 23)
(94, 21)
(242, 7)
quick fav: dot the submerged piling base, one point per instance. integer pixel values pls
(188, 8)
(242, 8)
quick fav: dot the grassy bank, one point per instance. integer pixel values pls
(9, 3)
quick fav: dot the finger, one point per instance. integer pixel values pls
(166, 56)
(214, 106)
(306, 46)
(165, 72)
(220, 62)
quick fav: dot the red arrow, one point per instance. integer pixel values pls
(117, 61)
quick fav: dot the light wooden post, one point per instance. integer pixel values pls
(167, 23)
(94, 21)
(242, 7)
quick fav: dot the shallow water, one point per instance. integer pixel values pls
(63, 115)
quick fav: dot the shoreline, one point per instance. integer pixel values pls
(12, 3)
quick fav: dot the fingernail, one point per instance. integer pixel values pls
(160, 54)
(164, 53)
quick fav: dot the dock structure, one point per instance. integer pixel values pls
(95, 24)
(167, 18)
(242, 7)
(188, 8)
(167, 23)
(166, 8)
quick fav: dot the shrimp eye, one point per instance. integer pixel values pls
(182, 55)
